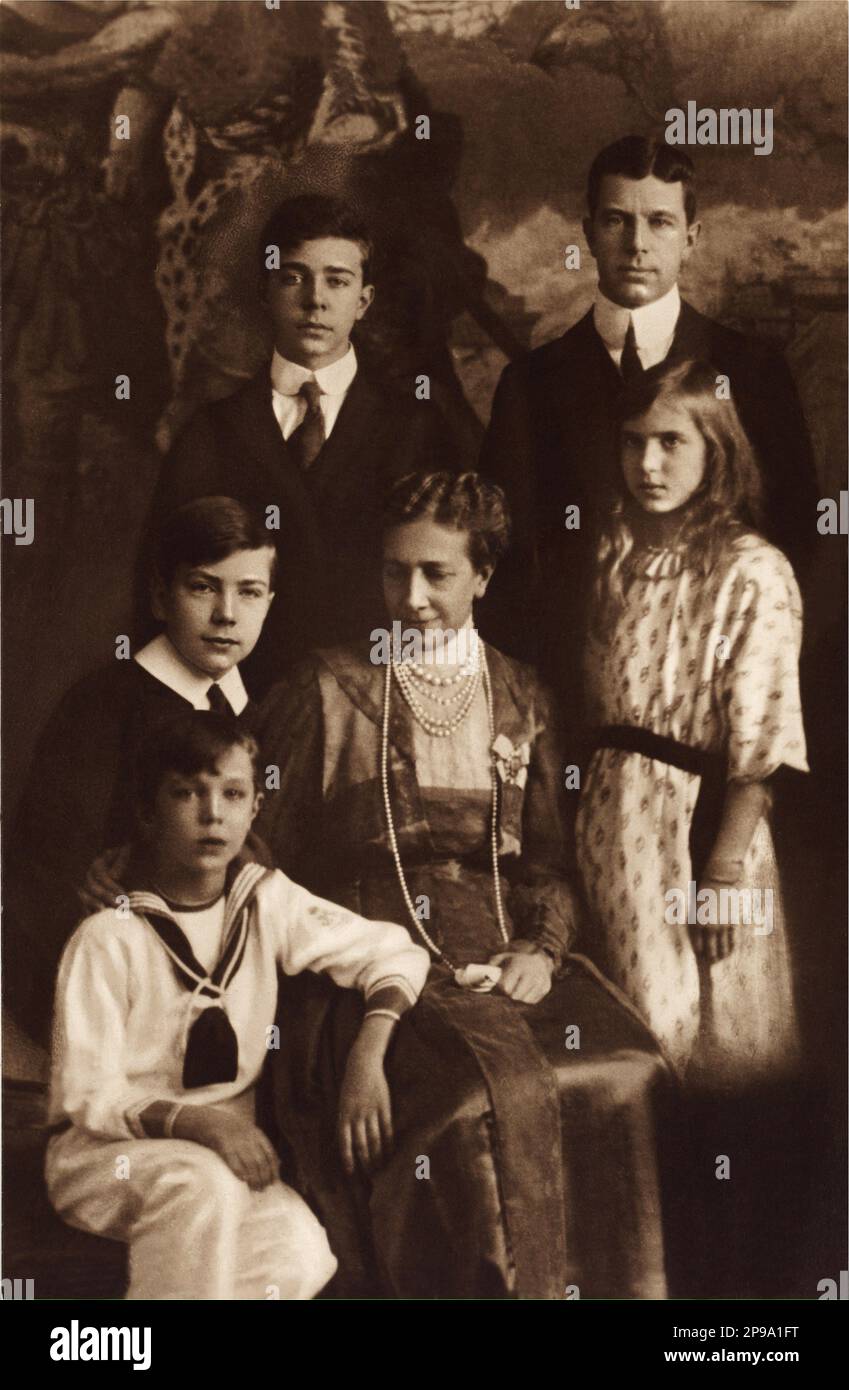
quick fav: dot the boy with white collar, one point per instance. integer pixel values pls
(211, 586)
(319, 433)
(164, 1015)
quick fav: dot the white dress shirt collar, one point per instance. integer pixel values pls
(161, 660)
(287, 377)
(654, 324)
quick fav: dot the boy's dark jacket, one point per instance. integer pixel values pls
(328, 584)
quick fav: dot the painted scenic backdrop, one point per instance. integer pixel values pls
(134, 256)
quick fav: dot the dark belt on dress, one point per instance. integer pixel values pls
(712, 768)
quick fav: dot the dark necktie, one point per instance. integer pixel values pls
(307, 440)
(212, 1048)
(631, 367)
(218, 700)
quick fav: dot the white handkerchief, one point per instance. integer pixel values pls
(480, 978)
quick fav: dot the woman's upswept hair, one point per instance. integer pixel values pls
(728, 499)
(465, 501)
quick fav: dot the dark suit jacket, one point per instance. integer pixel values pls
(552, 442)
(328, 585)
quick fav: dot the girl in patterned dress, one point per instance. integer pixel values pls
(692, 670)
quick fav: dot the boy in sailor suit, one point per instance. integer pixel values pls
(165, 1009)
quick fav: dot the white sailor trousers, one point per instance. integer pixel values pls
(194, 1230)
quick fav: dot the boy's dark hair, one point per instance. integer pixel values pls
(638, 157)
(205, 531)
(313, 215)
(191, 743)
(465, 501)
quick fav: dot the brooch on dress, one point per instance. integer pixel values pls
(511, 761)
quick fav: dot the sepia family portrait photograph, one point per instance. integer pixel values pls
(424, 634)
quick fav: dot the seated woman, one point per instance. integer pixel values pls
(427, 792)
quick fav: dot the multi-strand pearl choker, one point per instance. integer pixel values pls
(468, 680)
(428, 682)
(429, 677)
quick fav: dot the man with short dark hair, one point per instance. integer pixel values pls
(552, 439)
(314, 436)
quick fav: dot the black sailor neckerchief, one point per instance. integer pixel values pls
(211, 1049)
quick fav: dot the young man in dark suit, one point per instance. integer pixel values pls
(315, 436)
(552, 439)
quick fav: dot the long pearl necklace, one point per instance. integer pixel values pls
(390, 824)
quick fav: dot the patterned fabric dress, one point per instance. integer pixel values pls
(525, 1162)
(711, 663)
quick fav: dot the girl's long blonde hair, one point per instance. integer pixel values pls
(728, 498)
